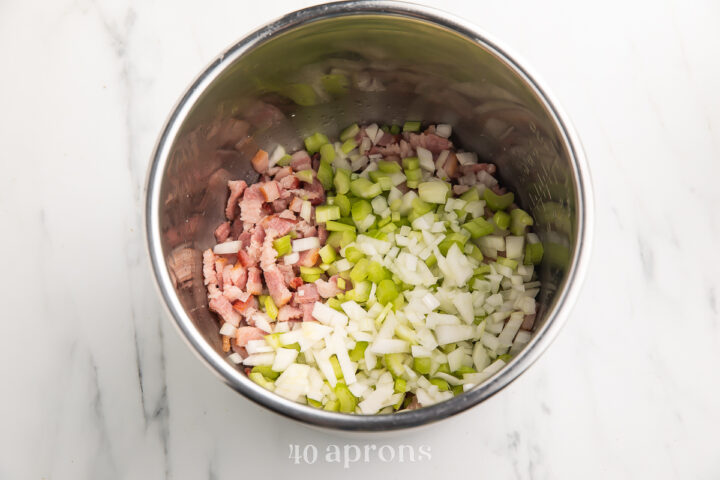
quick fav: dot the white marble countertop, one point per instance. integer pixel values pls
(96, 382)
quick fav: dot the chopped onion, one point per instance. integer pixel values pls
(228, 329)
(443, 130)
(284, 357)
(382, 346)
(236, 358)
(302, 244)
(467, 158)
(426, 159)
(277, 154)
(291, 259)
(453, 333)
(227, 247)
(306, 211)
(259, 359)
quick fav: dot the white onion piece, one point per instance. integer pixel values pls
(228, 329)
(382, 346)
(284, 357)
(259, 359)
(236, 358)
(467, 158)
(426, 159)
(291, 259)
(443, 130)
(302, 244)
(227, 247)
(453, 333)
(277, 154)
(306, 211)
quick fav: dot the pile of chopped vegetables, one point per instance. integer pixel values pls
(382, 272)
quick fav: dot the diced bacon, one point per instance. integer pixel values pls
(260, 161)
(220, 263)
(283, 172)
(295, 282)
(251, 205)
(309, 258)
(322, 234)
(234, 294)
(227, 281)
(245, 334)
(460, 189)
(276, 225)
(288, 215)
(246, 307)
(209, 267)
(256, 242)
(237, 187)
(288, 312)
(307, 293)
(307, 309)
(289, 183)
(287, 272)
(238, 275)
(406, 150)
(300, 161)
(304, 229)
(327, 289)
(451, 165)
(222, 232)
(268, 256)
(296, 204)
(498, 189)
(276, 286)
(528, 322)
(478, 167)
(432, 142)
(280, 205)
(223, 307)
(270, 191)
(245, 259)
(316, 192)
(386, 139)
(254, 283)
(236, 228)
(244, 238)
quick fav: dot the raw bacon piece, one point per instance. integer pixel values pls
(300, 161)
(288, 312)
(245, 334)
(223, 307)
(254, 283)
(309, 258)
(222, 232)
(276, 286)
(260, 161)
(237, 187)
(307, 293)
(270, 190)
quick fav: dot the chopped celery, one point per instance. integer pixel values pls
(328, 254)
(335, 240)
(475, 253)
(448, 348)
(479, 227)
(353, 254)
(341, 283)
(360, 210)
(325, 172)
(358, 352)
(434, 192)
(505, 357)
(342, 181)
(507, 262)
(266, 371)
(395, 363)
(421, 207)
(309, 277)
(347, 400)
(498, 202)
(283, 245)
(482, 270)
(412, 126)
(260, 379)
(413, 175)
(343, 202)
(519, 219)
(443, 368)
(364, 188)
(284, 161)
(457, 390)
(376, 175)
(450, 238)
(386, 166)
(377, 273)
(384, 221)
(422, 365)
(360, 271)
(336, 367)
(462, 370)
(306, 176)
(394, 129)
(431, 261)
(386, 291)
(361, 292)
(333, 226)
(385, 183)
(533, 253)
(411, 163)
(471, 195)
(314, 403)
(332, 406)
(325, 213)
(335, 84)
(327, 153)
(270, 308)
(400, 385)
(501, 219)
(441, 384)
(294, 346)
(335, 303)
(315, 141)
(348, 145)
(349, 132)
(272, 339)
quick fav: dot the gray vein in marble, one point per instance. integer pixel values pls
(102, 462)
(647, 258)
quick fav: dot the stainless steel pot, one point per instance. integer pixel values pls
(320, 69)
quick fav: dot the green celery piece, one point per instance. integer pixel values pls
(325, 213)
(347, 238)
(478, 227)
(450, 238)
(261, 380)
(444, 368)
(364, 188)
(332, 406)
(385, 183)
(327, 153)
(284, 161)
(294, 346)
(395, 129)
(266, 371)
(349, 132)
(457, 390)
(519, 219)
(335, 303)
(333, 226)
(376, 175)
(270, 308)
(343, 202)
(431, 261)
(463, 370)
(309, 277)
(412, 126)
(507, 262)
(315, 141)
(422, 365)
(358, 352)
(395, 363)
(336, 367)
(471, 195)
(533, 253)
(384, 222)
(387, 166)
(411, 163)
(353, 254)
(434, 191)
(386, 292)
(403, 332)
(377, 273)
(400, 385)
(498, 202)
(420, 207)
(314, 403)
(328, 254)
(335, 84)
(349, 145)
(342, 181)
(360, 209)
(325, 173)
(505, 357)
(306, 176)
(441, 384)
(361, 292)
(501, 219)
(360, 271)
(413, 175)
(448, 348)
(482, 270)
(476, 253)
(347, 400)
(283, 245)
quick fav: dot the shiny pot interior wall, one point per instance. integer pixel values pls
(329, 73)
